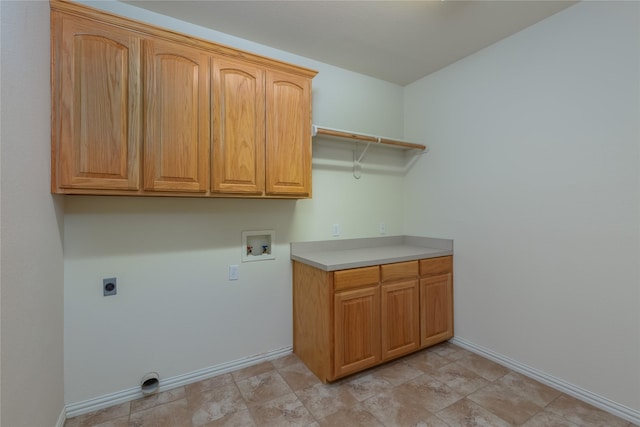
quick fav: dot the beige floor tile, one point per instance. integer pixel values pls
(548, 419)
(392, 408)
(214, 404)
(284, 411)
(101, 416)
(158, 399)
(465, 413)
(425, 389)
(241, 418)
(209, 384)
(430, 393)
(486, 368)
(528, 388)
(325, 399)
(583, 414)
(263, 387)
(298, 376)
(173, 414)
(367, 385)
(252, 371)
(459, 378)
(501, 401)
(449, 351)
(354, 416)
(427, 361)
(397, 372)
(284, 361)
(118, 422)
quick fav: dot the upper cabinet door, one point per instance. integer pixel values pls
(288, 147)
(238, 128)
(96, 108)
(176, 96)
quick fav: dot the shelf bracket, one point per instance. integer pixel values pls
(357, 160)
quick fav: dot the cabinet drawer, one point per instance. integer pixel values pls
(399, 270)
(435, 266)
(355, 278)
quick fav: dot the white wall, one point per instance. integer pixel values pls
(31, 260)
(533, 171)
(176, 311)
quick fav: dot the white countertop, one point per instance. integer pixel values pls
(331, 255)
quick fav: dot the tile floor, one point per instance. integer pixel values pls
(443, 386)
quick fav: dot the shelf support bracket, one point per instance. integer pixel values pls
(357, 162)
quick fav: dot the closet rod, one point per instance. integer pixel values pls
(317, 130)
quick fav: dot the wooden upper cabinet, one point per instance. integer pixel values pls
(176, 127)
(139, 110)
(96, 111)
(288, 154)
(238, 128)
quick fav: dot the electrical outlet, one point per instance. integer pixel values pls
(109, 286)
(233, 272)
(382, 228)
(336, 230)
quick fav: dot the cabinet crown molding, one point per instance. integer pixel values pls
(72, 8)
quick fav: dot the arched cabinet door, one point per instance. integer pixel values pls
(238, 128)
(288, 147)
(96, 108)
(177, 119)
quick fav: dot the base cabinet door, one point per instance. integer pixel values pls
(436, 309)
(356, 330)
(399, 322)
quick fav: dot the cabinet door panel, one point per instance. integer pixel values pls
(400, 318)
(436, 304)
(357, 330)
(176, 154)
(288, 145)
(96, 75)
(239, 128)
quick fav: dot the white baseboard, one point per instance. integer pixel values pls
(598, 401)
(84, 407)
(62, 418)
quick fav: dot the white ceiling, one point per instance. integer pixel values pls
(397, 41)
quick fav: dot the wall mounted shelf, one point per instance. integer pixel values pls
(318, 130)
(369, 139)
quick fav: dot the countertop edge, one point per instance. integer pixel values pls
(314, 253)
(368, 263)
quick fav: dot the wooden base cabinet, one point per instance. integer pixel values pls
(349, 320)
